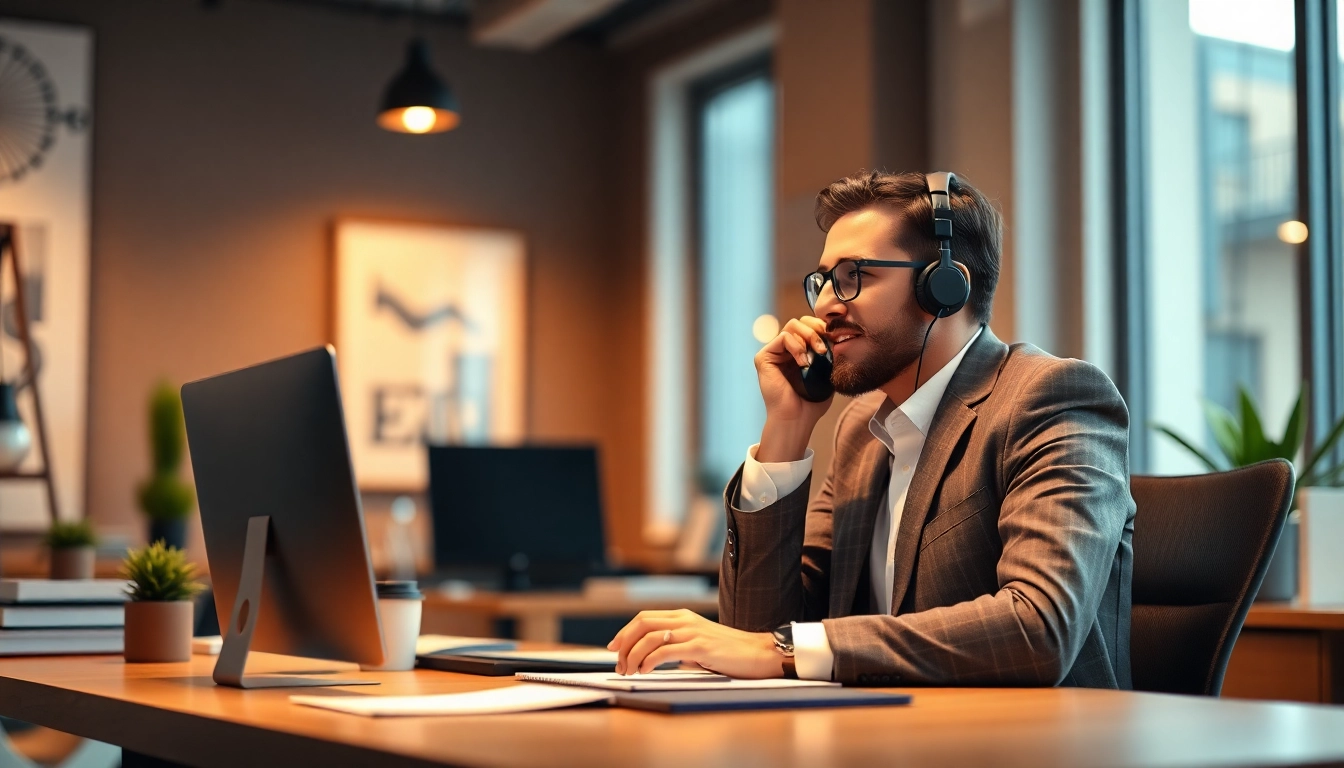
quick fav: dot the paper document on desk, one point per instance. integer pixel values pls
(670, 680)
(495, 701)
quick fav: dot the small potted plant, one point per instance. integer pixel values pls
(1242, 441)
(165, 499)
(71, 544)
(159, 614)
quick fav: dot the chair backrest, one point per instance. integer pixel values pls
(1201, 547)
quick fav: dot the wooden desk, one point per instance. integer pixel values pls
(1290, 653)
(174, 712)
(538, 614)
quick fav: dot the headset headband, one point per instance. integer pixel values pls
(940, 198)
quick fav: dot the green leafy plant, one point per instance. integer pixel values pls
(158, 572)
(1243, 441)
(71, 535)
(164, 496)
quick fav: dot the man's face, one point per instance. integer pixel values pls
(877, 335)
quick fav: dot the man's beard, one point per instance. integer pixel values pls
(893, 350)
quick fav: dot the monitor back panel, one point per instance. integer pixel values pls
(270, 440)
(492, 504)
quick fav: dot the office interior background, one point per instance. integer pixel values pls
(1170, 172)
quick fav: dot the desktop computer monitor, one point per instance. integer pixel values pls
(517, 517)
(281, 516)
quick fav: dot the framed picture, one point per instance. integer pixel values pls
(46, 102)
(430, 343)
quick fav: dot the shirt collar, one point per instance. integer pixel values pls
(920, 407)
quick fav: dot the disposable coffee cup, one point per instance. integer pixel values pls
(399, 610)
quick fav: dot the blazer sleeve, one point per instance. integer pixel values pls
(1066, 504)
(777, 560)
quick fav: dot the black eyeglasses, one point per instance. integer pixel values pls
(846, 277)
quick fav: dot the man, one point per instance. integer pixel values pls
(975, 525)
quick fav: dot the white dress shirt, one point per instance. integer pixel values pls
(902, 429)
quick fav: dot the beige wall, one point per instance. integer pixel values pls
(852, 79)
(971, 112)
(228, 139)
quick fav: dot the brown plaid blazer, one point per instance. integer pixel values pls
(1013, 558)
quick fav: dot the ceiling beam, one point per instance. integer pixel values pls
(532, 24)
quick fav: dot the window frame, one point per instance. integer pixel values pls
(668, 493)
(1129, 221)
(700, 91)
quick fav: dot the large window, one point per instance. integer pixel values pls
(735, 185)
(1219, 187)
(710, 280)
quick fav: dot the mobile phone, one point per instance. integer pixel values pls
(814, 385)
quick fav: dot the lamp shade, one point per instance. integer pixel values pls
(417, 101)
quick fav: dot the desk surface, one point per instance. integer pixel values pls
(1294, 616)
(174, 711)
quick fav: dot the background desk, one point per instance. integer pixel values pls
(1289, 653)
(174, 712)
(539, 615)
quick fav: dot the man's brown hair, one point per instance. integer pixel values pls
(977, 226)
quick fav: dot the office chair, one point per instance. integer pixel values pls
(1201, 547)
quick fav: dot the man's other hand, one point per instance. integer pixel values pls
(655, 637)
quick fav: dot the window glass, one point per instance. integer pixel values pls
(1220, 183)
(735, 276)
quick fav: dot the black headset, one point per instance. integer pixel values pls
(942, 288)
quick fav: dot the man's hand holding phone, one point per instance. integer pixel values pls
(789, 417)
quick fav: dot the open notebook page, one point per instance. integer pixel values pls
(494, 701)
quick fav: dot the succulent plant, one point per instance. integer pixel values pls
(158, 572)
(65, 534)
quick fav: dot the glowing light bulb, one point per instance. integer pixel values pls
(418, 119)
(765, 328)
(1293, 232)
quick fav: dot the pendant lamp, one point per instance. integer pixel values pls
(417, 101)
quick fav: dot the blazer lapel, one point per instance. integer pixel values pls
(854, 520)
(972, 382)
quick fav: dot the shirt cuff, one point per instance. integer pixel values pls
(764, 484)
(812, 651)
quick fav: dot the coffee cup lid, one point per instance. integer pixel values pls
(399, 590)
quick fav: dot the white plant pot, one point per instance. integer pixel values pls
(1320, 566)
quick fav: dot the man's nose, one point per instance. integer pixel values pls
(828, 306)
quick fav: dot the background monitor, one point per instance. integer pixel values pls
(532, 514)
(270, 440)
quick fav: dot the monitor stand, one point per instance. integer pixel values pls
(243, 620)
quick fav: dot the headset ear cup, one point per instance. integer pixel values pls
(922, 296)
(942, 291)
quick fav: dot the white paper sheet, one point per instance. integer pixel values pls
(495, 701)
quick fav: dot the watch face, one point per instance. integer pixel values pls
(784, 639)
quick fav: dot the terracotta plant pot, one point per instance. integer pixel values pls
(72, 563)
(158, 631)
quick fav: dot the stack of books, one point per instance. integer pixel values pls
(40, 617)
